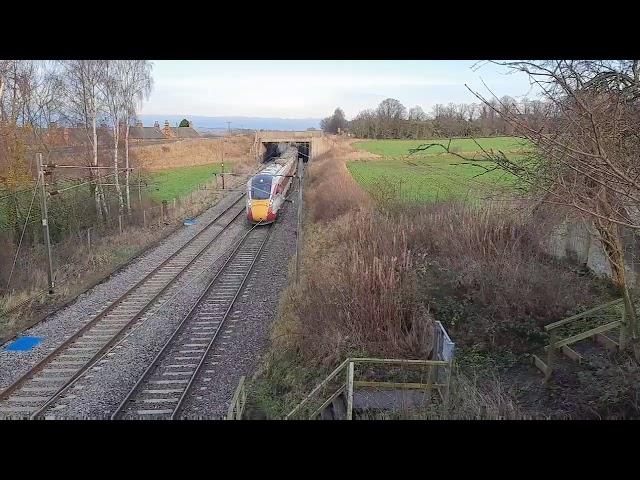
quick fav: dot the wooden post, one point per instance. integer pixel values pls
(350, 391)
(222, 164)
(447, 394)
(144, 218)
(120, 223)
(622, 341)
(89, 237)
(551, 352)
(161, 213)
(430, 381)
(139, 189)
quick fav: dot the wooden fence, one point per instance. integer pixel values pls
(343, 380)
(591, 323)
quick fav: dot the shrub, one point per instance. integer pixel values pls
(486, 276)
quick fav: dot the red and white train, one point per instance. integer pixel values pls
(266, 191)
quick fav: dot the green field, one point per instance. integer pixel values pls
(395, 148)
(178, 182)
(433, 175)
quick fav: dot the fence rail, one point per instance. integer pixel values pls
(590, 323)
(347, 372)
(238, 402)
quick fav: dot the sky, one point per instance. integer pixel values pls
(314, 88)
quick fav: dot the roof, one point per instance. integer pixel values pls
(65, 136)
(146, 133)
(185, 132)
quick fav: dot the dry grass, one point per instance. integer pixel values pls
(469, 400)
(358, 288)
(332, 191)
(487, 276)
(358, 294)
(190, 152)
(77, 265)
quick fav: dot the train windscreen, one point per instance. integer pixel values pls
(261, 187)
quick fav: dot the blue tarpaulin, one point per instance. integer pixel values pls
(23, 344)
(190, 221)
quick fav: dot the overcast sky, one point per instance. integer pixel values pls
(314, 88)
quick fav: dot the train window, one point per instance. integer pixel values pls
(261, 187)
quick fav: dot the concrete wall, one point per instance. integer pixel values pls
(573, 241)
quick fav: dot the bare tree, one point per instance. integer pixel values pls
(112, 94)
(335, 123)
(391, 114)
(83, 79)
(588, 159)
(137, 83)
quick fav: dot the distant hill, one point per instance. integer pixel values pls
(205, 124)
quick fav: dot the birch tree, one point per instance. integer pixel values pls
(587, 158)
(83, 79)
(137, 83)
(112, 95)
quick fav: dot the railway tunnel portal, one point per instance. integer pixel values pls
(309, 143)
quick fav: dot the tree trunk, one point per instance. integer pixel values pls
(2, 83)
(126, 173)
(612, 245)
(94, 172)
(116, 131)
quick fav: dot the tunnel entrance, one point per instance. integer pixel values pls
(270, 150)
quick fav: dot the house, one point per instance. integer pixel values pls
(58, 136)
(140, 132)
(179, 132)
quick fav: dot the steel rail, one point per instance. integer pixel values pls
(224, 318)
(154, 363)
(6, 393)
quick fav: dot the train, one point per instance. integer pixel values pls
(266, 191)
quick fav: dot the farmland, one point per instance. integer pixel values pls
(426, 177)
(178, 182)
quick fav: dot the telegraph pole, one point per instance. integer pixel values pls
(45, 220)
(228, 127)
(222, 164)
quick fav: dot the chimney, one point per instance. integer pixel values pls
(167, 130)
(156, 124)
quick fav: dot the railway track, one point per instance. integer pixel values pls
(167, 382)
(34, 391)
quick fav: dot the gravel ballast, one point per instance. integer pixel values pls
(98, 393)
(245, 336)
(58, 327)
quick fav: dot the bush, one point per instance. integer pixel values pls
(358, 294)
(486, 276)
(331, 191)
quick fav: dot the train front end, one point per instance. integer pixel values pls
(260, 199)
